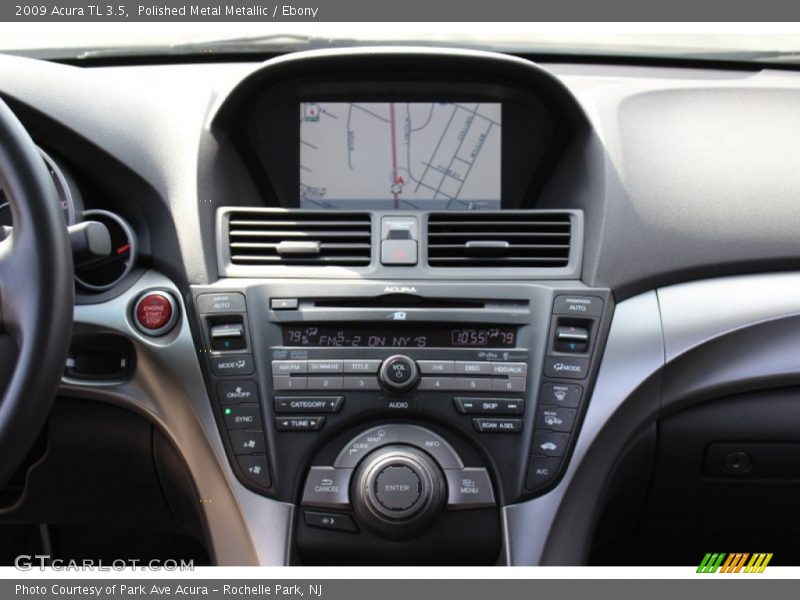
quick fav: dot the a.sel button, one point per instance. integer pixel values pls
(240, 364)
(299, 423)
(549, 443)
(555, 418)
(247, 442)
(256, 468)
(541, 469)
(242, 417)
(566, 367)
(237, 392)
(497, 425)
(561, 394)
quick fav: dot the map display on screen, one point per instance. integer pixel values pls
(400, 155)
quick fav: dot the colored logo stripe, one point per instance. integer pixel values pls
(733, 563)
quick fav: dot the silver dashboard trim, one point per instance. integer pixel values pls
(244, 528)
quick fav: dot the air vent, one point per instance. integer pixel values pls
(499, 239)
(299, 238)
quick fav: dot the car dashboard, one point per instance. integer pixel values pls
(422, 306)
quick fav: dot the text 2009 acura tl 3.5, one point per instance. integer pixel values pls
(398, 304)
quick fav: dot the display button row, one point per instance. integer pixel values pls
(283, 383)
(299, 367)
(459, 367)
(470, 384)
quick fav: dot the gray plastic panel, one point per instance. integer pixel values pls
(244, 528)
(633, 353)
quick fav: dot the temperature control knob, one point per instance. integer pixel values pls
(398, 374)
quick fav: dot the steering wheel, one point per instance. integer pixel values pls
(37, 295)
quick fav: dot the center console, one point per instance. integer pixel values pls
(399, 418)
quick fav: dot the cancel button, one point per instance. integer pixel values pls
(397, 488)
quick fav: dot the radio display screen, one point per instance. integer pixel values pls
(433, 336)
(400, 155)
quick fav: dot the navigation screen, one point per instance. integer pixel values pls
(385, 155)
(433, 336)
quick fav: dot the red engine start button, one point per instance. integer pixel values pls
(155, 313)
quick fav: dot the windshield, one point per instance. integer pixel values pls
(763, 42)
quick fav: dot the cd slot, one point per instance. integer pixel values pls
(411, 301)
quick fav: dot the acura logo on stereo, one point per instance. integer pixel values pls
(399, 289)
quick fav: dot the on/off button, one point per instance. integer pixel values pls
(155, 313)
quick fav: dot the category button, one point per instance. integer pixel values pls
(305, 404)
(327, 487)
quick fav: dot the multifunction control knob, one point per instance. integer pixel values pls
(398, 374)
(397, 490)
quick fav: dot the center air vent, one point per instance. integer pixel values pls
(499, 239)
(299, 238)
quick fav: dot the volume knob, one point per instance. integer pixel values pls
(398, 374)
